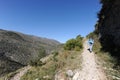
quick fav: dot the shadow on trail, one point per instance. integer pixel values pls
(89, 50)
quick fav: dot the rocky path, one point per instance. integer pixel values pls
(21, 73)
(90, 70)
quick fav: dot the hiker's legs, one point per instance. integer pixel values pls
(91, 48)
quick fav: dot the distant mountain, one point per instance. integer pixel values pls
(17, 49)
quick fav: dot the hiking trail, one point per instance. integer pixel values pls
(90, 69)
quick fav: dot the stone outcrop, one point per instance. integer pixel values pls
(108, 25)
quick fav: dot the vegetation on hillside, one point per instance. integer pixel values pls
(74, 44)
(57, 61)
(61, 60)
(21, 49)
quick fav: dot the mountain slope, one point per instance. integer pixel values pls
(19, 48)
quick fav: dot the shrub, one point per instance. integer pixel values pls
(42, 53)
(36, 62)
(70, 44)
(74, 44)
(55, 53)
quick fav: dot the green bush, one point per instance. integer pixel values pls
(74, 44)
(36, 62)
(55, 53)
(42, 53)
(70, 44)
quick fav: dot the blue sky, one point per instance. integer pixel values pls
(55, 19)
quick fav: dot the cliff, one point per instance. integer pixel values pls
(108, 26)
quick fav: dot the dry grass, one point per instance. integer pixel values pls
(108, 64)
(107, 61)
(65, 60)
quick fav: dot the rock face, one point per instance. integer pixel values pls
(108, 26)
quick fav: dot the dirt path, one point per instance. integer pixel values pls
(21, 73)
(90, 70)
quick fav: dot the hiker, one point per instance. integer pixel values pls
(90, 43)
